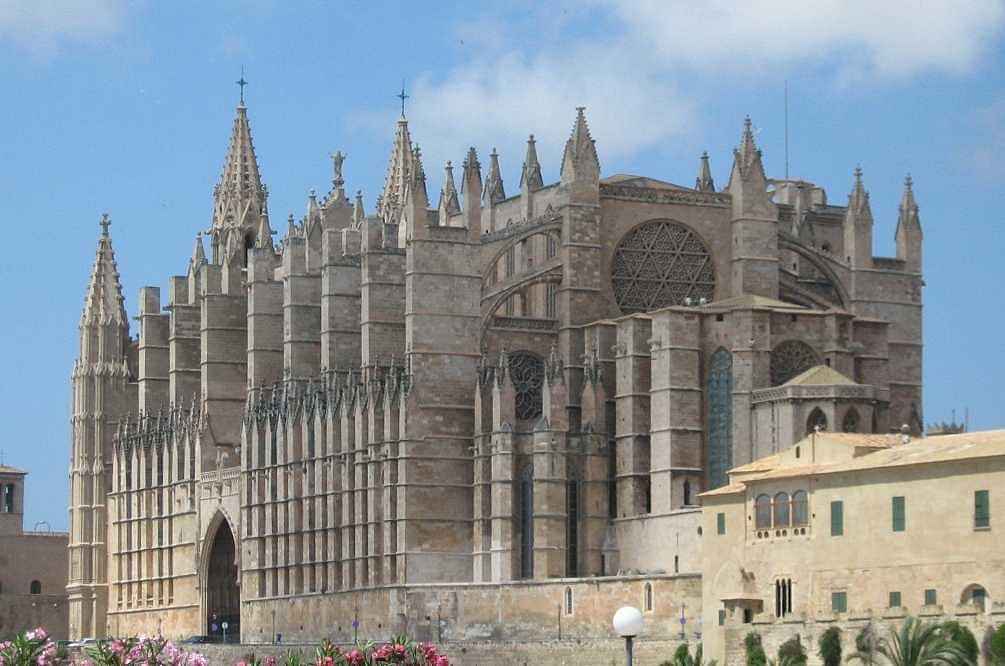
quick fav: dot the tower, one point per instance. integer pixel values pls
(101, 396)
(754, 224)
(858, 226)
(908, 235)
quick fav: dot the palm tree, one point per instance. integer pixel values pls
(920, 644)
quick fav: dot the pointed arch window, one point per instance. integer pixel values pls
(527, 373)
(800, 509)
(687, 493)
(720, 417)
(817, 419)
(851, 420)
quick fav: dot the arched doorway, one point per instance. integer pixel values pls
(223, 594)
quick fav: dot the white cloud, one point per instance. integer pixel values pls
(892, 38)
(40, 27)
(626, 77)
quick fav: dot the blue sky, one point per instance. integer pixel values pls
(126, 108)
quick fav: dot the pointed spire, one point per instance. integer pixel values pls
(399, 169)
(358, 214)
(449, 202)
(858, 200)
(908, 206)
(494, 190)
(472, 180)
(198, 252)
(580, 161)
(704, 182)
(747, 165)
(239, 196)
(263, 235)
(530, 177)
(103, 303)
(417, 195)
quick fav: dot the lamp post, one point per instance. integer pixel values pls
(628, 624)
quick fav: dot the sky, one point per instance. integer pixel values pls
(126, 108)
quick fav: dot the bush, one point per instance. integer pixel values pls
(792, 652)
(830, 647)
(866, 644)
(755, 651)
(142, 650)
(963, 638)
(28, 648)
(996, 647)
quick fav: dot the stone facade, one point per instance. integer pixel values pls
(843, 530)
(33, 566)
(492, 389)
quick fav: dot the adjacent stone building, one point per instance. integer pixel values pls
(32, 566)
(481, 389)
(851, 529)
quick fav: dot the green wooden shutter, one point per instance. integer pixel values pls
(982, 509)
(895, 600)
(899, 514)
(930, 597)
(839, 602)
(720, 523)
(837, 518)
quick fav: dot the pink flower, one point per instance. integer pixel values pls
(356, 658)
(442, 661)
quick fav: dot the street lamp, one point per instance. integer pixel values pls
(628, 624)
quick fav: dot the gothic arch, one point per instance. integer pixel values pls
(550, 232)
(526, 371)
(815, 419)
(851, 421)
(220, 593)
(658, 263)
(820, 263)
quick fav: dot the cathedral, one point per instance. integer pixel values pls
(368, 419)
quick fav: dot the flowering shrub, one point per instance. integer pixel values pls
(399, 651)
(145, 651)
(30, 648)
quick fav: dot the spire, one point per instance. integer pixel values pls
(704, 182)
(239, 196)
(472, 180)
(747, 156)
(399, 168)
(358, 214)
(580, 161)
(198, 253)
(494, 191)
(530, 177)
(858, 200)
(263, 234)
(449, 202)
(417, 181)
(103, 303)
(908, 206)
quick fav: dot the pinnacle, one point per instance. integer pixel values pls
(494, 191)
(198, 253)
(399, 171)
(448, 195)
(531, 174)
(908, 206)
(240, 189)
(580, 152)
(103, 302)
(704, 182)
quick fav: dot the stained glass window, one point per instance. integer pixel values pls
(527, 372)
(658, 264)
(789, 359)
(720, 417)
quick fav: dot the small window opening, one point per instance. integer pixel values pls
(36, 587)
(568, 601)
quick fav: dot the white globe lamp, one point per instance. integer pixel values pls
(628, 624)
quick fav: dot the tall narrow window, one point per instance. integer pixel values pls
(850, 422)
(568, 601)
(8, 498)
(899, 516)
(837, 518)
(762, 511)
(552, 248)
(572, 527)
(551, 300)
(982, 509)
(648, 605)
(720, 523)
(527, 522)
(720, 417)
(687, 493)
(781, 510)
(510, 261)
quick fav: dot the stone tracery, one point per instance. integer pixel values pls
(658, 264)
(789, 359)
(527, 373)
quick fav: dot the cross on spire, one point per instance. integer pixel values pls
(402, 96)
(105, 223)
(241, 82)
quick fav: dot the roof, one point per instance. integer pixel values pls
(641, 181)
(753, 301)
(817, 375)
(7, 469)
(889, 453)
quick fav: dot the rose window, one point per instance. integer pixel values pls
(658, 264)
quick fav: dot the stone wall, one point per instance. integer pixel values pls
(21, 612)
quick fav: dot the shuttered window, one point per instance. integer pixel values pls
(839, 602)
(720, 523)
(837, 518)
(931, 598)
(982, 509)
(899, 514)
(895, 600)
